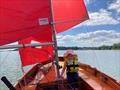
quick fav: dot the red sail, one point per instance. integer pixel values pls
(31, 19)
(21, 18)
(36, 55)
(68, 13)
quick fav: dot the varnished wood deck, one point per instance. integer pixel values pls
(93, 81)
(90, 79)
(97, 83)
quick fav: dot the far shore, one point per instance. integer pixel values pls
(115, 46)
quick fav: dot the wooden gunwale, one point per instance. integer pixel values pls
(91, 78)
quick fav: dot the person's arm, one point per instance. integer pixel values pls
(64, 67)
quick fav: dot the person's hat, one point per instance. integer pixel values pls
(68, 52)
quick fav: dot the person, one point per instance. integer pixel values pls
(71, 66)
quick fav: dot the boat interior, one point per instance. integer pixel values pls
(43, 77)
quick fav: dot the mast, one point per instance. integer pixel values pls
(55, 42)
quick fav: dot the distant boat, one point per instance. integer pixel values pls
(34, 24)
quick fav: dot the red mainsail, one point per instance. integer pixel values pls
(20, 19)
(28, 20)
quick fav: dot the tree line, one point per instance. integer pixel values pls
(115, 46)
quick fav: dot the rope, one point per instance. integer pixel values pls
(119, 68)
(8, 50)
(2, 62)
(94, 54)
(23, 68)
(95, 58)
(17, 73)
(17, 70)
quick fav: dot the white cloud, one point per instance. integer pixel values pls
(97, 38)
(89, 1)
(65, 38)
(115, 6)
(103, 17)
(118, 19)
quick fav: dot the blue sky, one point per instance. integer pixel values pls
(103, 27)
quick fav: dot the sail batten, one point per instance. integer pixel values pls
(67, 21)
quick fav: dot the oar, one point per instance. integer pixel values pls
(7, 83)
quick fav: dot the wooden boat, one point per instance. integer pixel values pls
(89, 79)
(39, 21)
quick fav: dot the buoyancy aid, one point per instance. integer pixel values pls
(72, 65)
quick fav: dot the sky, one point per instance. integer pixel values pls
(103, 27)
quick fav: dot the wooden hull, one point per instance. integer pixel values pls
(89, 79)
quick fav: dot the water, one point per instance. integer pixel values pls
(107, 61)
